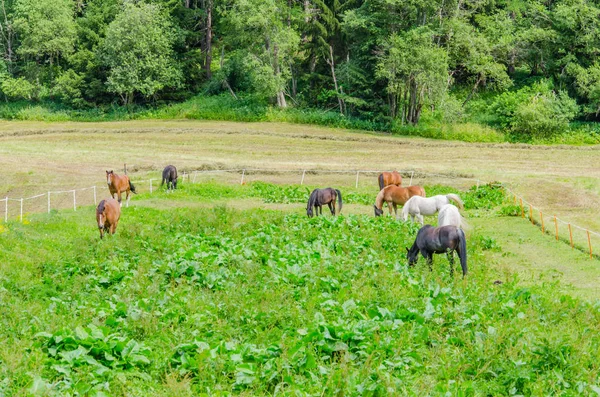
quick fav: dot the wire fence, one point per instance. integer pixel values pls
(18, 208)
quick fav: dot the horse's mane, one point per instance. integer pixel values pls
(312, 199)
(379, 198)
(100, 208)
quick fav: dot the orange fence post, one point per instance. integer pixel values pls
(522, 210)
(515, 198)
(571, 236)
(542, 220)
(589, 243)
(531, 214)
(556, 227)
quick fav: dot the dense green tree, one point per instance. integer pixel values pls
(138, 51)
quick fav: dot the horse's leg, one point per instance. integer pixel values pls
(420, 219)
(450, 256)
(119, 198)
(429, 257)
(395, 209)
(390, 206)
(127, 193)
(331, 208)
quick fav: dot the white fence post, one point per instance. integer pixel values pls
(195, 175)
(48, 202)
(357, 172)
(303, 173)
(74, 201)
(243, 174)
(412, 173)
(150, 185)
(95, 200)
(6, 209)
(21, 210)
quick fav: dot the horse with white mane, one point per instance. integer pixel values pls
(418, 206)
(449, 215)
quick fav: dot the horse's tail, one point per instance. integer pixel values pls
(462, 251)
(339, 194)
(464, 225)
(131, 187)
(456, 199)
(381, 181)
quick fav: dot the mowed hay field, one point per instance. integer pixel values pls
(221, 289)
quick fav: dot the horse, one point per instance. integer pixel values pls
(169, 175)
(108, 213)
(449, 215)
(419, 206)
(119, 184)
(439, 240)
(394, 195)
(320, 197)
(389, 178)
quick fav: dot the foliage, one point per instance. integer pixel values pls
(258, 302)
(138, 51)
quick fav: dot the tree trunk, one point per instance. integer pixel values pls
(335, 84)
(277, 72)
(209, 8)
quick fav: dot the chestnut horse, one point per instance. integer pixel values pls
(389, 178)
(119, 184)
(108, 213)
(394, 195)
(320, 197)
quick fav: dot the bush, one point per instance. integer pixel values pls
(535, 111)
(18, 88)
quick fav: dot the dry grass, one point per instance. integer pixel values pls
(37, 156)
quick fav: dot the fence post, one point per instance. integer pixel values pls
(556, 227)
(243, 174)
(48, 202)
(542, 219)
(412, 173)
(302, 180)
(74, 201)
(125, 168)
(6, 209)
(531, 215)
(95, 200)
(589, 243)
(357, 172)
(195, 175)
(515, 201)
(150, 185)
(21, 210)
(571, 236)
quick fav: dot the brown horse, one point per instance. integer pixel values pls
(119, 184)
(394, 195)
(107, 216)
(320, 197)
(389, 178)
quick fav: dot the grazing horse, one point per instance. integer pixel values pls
(439, 240)
(169, 175)
(108, 213)
(394, 195)
(419, 206)
(449, 215)
(320, 197)
(389, 178)
(119, 184)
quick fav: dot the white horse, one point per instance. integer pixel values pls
(418, 206)
(449, 215)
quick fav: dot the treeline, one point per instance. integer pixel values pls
(530, 67)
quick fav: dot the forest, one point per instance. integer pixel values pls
(526, 68)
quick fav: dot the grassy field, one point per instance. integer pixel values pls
(220, 289)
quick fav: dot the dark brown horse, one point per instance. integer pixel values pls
(439, 240)
(108, 214)
(394, 195)
(320, 197)
(169, 175)
(389, 178)
(118, 184)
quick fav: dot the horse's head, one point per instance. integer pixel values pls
(309, 212)
(109, 175)
(411, 255)
(378, 212)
